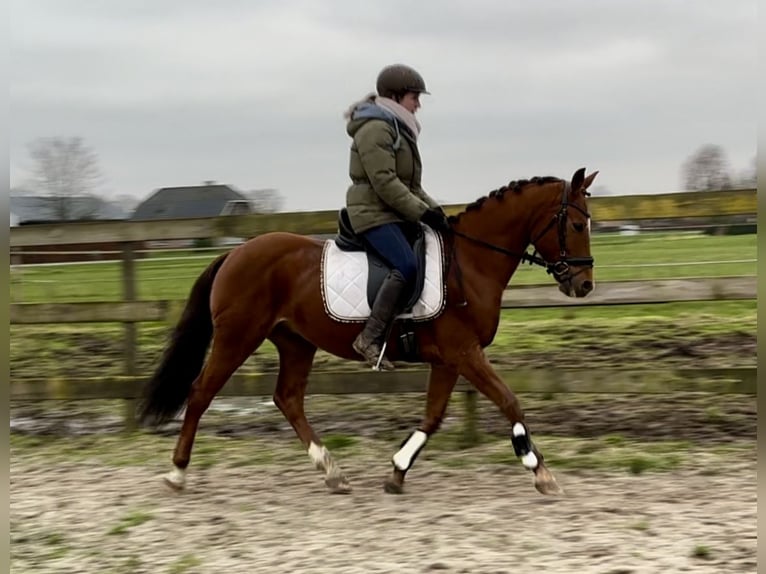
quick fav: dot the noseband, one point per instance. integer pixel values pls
(561, 268)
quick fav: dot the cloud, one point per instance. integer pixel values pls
(252, 93)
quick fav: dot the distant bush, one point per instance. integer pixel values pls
(201, 243)
(734, 229)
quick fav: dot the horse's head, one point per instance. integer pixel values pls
(562, 237)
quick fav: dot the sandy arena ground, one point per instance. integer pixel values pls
(89, 516)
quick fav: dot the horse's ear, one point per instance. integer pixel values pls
(577, 180)
(589, 180)
(580, 182)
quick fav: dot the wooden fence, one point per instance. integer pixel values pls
(719, 381)
(606, 293)
(740, 380)
(131, 311)
(408, 380)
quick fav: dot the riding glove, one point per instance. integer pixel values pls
(435, 219)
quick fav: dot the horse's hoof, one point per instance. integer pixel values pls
(545, 483)
(178, 487)
(338, 485)
(392, 487)
(175, 479)
(548, 487)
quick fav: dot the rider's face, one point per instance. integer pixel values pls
(411, 101)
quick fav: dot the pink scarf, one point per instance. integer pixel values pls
(402, 113)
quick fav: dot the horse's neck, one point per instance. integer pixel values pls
(492, 267)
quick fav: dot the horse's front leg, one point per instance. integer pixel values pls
(441, 381)
(479, 372)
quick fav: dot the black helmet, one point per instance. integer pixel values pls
(399, 79)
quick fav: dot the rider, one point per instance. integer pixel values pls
(385, 193)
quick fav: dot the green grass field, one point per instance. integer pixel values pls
(705, 334)
(170, 276)
(667, 336)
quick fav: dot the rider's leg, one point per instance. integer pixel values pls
(391, 244)
(369, 342)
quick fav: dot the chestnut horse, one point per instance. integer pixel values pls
(269, 288)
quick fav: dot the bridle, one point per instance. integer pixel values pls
(561, 268)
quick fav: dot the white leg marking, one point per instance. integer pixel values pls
(323, 460)
(519, 430)
(529, 461)
(177, 476)
(318, 455)
(403, 458)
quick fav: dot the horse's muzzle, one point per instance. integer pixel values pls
(571, 287)
(574, 281)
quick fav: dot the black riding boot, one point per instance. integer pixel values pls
(369, 342)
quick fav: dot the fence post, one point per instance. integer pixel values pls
(129, 294)
(470, 430)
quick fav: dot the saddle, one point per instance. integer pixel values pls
(348, 240)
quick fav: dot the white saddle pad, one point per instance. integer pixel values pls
(344, 283)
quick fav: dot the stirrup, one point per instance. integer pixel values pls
(375, 360)
(382, 360)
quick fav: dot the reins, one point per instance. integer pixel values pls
(531, 259)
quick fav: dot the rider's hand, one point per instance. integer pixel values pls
(435, 219)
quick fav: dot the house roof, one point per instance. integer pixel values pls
(188, 201)
(35, 208)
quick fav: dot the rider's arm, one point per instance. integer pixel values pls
(429, 201)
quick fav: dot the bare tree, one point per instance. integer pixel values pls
(707, 169)
(266, 200)
(749, 176)
(65, 169)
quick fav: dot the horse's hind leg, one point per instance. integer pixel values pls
(232, 345)
(296, 356)
(441, 381)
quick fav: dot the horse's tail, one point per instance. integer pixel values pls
(165, 393)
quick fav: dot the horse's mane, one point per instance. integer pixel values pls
(514, 186)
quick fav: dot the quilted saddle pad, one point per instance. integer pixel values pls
(344, 283)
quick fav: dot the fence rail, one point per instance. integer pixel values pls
(413, 380)
(719, 381)
(132, 235)
(524, 296)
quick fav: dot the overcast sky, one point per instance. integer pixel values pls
(251, 93)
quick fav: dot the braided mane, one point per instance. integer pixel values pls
(514, 186)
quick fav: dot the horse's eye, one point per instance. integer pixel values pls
(578, 226)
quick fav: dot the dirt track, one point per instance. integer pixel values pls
(88, 515)
(279, 519)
